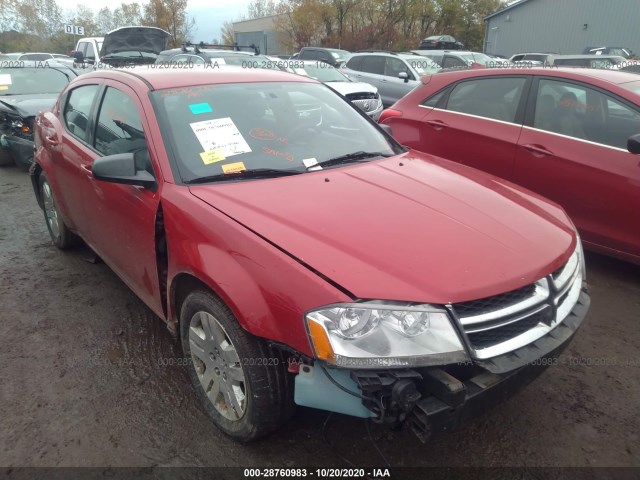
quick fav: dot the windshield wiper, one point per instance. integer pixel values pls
(256, 173)
(348, 158)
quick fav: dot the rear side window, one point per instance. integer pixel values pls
(433, 100)
(495, 98)
(355, 63)
(91, 52)
(374, 64)
(309, 54)
(77, 109)
(453, 62)
(119, 128)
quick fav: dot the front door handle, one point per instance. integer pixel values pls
(51, 141)
(87, 169)
(537, 150)
(437, 124)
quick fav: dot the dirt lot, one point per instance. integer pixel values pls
(90, 377)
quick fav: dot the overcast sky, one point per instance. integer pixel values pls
(209, 14)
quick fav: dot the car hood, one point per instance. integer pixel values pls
(346, 88)
(407, 228)
(28, 105)
(140, 39)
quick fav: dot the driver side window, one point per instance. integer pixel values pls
(77, 109)
(119, 129)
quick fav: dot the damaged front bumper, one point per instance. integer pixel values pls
(21, 149)
(434, 400)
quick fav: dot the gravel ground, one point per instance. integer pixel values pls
(90, 377)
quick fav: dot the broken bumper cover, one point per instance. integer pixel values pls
(456, 403)
(21, 149)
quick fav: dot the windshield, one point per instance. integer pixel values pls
(321, 72)
(339, 54)
(480, 58)
(26, 81)
(280, 126)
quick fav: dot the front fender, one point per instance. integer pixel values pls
(266, 289)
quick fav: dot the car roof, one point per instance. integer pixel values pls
(615, 77)
(159, 79)
(585, 56)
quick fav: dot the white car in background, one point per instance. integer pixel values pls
(362, 95)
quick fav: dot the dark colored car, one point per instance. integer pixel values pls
(333, 56)
(301, 254)
(570, 135)
(440, 42)
(26, 88)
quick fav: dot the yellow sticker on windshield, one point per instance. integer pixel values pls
(212, 156)
(233, 167)
(4, 87)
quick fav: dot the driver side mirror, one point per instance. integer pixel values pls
(404, 76)
(78, 57)
(633, 144)
(121, 168)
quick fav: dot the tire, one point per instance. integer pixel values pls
(254, 392)
(61, 236)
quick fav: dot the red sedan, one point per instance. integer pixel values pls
(569, 135)
(301, 254)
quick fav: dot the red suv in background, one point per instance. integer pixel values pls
(569, 135)
(301, 254)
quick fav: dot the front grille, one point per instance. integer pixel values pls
(367, 105)
(489, 304)
(505, 322)
(361, 96)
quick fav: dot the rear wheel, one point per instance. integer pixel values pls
(61, 236)
(243, 386)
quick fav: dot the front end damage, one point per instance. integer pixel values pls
(508, 339)
(16, 138)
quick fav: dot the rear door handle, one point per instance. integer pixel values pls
(437, 124)
(537, 150)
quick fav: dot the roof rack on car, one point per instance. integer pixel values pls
(376, 51)
(235, 47)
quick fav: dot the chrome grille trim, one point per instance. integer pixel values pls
(494, 326)
(373, 104)
(507, 322)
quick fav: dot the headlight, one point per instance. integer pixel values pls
(384, 335)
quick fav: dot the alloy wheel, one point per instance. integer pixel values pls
(218, 366)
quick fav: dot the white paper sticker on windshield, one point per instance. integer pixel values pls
(5, 79)
(219, 61)
(311, 164)
(220, 134)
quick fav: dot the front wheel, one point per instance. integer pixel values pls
(61, 236)
(243, 386)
